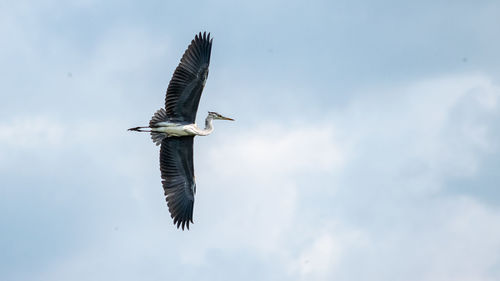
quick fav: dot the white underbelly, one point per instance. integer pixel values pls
(174, 130)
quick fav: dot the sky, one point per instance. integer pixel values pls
(365, 147)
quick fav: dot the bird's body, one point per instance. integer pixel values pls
(179, 130)
(174, 128)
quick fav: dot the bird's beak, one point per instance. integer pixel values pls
(227, 118)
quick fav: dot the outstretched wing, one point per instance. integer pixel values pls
(186, 85)
(177, 173)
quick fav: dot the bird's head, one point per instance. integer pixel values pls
(217, 116)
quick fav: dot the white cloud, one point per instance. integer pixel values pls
(325, 252)
(324, 255)
(247, 186)
(358, 195)
(31, 131)
(277, 149)
(465, 245)
(361, 195)
(409, 143)
(439, 127)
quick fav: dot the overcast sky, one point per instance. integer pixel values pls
(365, 147)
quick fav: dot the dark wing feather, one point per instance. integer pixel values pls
(186, 85)
(177, 173)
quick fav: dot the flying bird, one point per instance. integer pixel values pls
(174, 128)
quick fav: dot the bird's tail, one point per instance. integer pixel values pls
(139, 129)
(159, 116)
(157, 137)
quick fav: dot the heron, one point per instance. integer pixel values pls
(174, 129)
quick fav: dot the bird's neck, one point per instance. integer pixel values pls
(209, 128)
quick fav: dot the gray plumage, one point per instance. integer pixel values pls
(181, 105)
(177, 173)
(159, 116)
(174, 129)
(184, 90)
